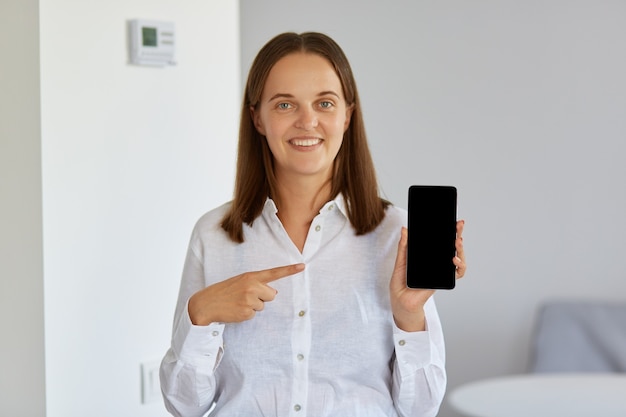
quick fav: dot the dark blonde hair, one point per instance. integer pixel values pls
(354, 174)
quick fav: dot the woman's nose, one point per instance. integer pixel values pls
(307, 119)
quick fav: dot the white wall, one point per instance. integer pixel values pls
(22, 392)
(522, 106)
(131, 157)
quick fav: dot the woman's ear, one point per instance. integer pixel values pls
(256, 119)
(349, 110)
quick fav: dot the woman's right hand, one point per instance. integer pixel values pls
(238, 298)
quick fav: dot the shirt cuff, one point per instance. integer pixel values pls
(198, 345)
(413, 350)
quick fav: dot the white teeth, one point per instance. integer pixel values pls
(305, 142)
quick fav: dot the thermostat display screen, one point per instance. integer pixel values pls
(149, 36)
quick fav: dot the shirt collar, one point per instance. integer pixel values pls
(338, 202)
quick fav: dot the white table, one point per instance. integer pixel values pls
(543, 395)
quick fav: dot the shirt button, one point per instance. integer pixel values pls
(318, 228)
(297, 407)
(402, 343)
(332, 206)
(215, 333)
(301, 313)
(300, 356)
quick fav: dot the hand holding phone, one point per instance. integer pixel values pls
(431, 237)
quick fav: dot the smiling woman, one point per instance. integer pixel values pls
(354, 175)
(293, 299)
(303, 115)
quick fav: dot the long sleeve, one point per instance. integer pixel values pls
(187, 370)
(419, 377)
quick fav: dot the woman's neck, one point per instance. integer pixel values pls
(298, 202)
(302, 196)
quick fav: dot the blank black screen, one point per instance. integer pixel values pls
(432, 232)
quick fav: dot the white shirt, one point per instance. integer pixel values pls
(326, 345)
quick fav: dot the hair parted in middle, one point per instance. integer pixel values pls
(354, 175)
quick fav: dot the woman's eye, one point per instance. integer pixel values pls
(284, 106)
(326, 104)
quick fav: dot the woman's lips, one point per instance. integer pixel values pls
(305, 142)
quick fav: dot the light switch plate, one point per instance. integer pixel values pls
(150, 385)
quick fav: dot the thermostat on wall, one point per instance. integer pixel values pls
(152, 43)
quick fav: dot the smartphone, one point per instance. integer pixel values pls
(432, 233)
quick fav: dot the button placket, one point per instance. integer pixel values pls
(300, 342)
(314, 237)
(301, 330)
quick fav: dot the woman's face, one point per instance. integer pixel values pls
(303, 114)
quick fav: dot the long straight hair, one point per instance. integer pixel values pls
(354, 175)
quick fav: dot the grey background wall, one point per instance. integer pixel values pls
(522, 106)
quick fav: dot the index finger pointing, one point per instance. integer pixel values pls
(268, 275)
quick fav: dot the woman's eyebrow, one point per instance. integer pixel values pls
(280, 95)
(329, 93)
(286, 95)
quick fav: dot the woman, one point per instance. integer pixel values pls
(293, 298)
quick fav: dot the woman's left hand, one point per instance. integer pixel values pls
(407, 304)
